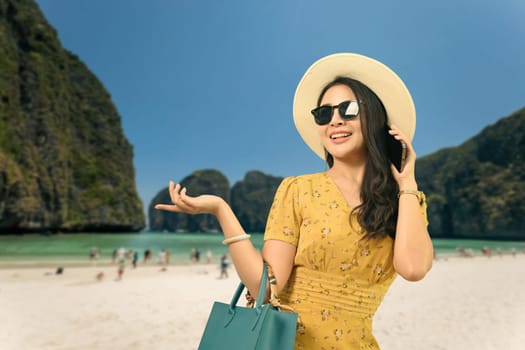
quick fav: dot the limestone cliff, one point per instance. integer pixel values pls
(477, 190)
(65, 163)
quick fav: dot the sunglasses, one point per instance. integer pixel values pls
(348, 110)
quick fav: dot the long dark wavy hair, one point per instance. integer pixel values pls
(377, 213)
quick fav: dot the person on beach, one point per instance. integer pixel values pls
(121, 254)
(135, 259)
(93, 253)
(114, 256)
(121, 267)
(168, 256)
(224, 264)
(161, 257)
(147, 255)
(195, 255)
(337, 239)
(193, 252)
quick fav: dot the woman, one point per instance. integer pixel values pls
(337, 239)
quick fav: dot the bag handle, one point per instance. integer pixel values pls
(274, 298)
(267, 277)
(262, 290)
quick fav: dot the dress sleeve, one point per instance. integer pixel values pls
(284, 220)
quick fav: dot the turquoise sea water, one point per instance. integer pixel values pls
(77, 246)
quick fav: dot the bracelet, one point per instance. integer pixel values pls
(234, 239)
(414, 192)
(420, 196)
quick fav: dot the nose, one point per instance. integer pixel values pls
(336, 118)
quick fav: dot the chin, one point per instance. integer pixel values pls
(348, 156)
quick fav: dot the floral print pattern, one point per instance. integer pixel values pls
(338, 280)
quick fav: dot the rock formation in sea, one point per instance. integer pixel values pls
(249, 198)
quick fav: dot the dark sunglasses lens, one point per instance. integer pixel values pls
(322, 114)
(349, 109)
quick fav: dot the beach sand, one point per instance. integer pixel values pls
(462, 304)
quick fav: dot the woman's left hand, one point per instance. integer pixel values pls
(405, 178)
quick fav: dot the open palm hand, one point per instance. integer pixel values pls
(183, 203)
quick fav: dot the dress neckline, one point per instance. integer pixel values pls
(339, 192)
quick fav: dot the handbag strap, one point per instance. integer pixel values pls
(262, 291)
(268, 278)
(274, 298)
(263, 284)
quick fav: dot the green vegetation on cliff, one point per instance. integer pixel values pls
(477, 190)
(65, 164)
(252, 198)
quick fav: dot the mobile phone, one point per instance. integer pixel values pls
(396, 150)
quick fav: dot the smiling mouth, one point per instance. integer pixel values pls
(338, 136)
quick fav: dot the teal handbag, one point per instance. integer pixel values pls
(262, 327)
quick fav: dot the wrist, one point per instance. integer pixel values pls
(222, 208)
(408, 184)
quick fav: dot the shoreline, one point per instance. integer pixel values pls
(78, 263)
(73, 261)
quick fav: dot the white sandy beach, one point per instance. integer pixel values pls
(463, 304)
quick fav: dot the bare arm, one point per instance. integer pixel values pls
(246, 259)
(413, 251)
(280, 255)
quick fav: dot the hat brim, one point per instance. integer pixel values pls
(384, 82)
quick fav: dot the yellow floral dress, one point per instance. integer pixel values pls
(338, 280)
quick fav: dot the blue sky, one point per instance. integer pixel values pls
(209, 84)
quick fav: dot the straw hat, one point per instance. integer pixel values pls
(379, 78)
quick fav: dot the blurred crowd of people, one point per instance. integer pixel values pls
(122, 257)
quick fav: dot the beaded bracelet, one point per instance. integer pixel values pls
(234, 239)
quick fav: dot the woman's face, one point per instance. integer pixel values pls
(343, 139)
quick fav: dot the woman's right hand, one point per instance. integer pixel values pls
(183, 203)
